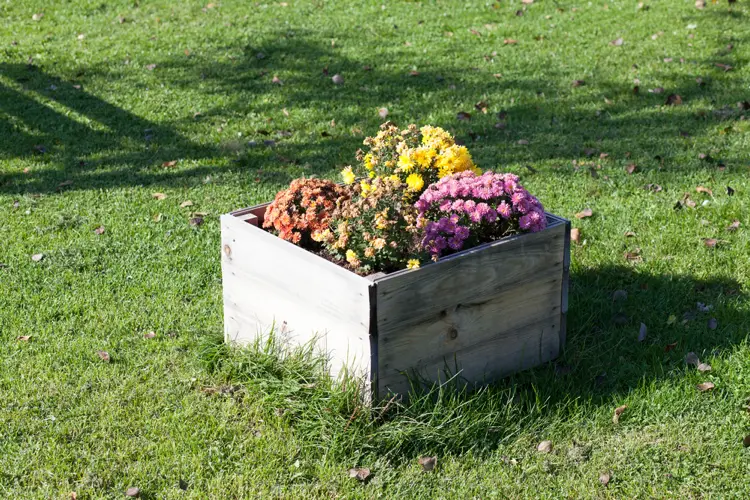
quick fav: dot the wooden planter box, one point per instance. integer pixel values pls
(488, 311)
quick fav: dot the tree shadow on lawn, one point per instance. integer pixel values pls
(601, 364)
(99, 145)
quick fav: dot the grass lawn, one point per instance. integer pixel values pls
(105, 103)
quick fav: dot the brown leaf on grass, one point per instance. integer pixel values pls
(692, 359)
(704, 367)
(735, 225)
(413, 73)
(586, 212)
(428, 463)
(579, 83)
(186, 203)
(700, 4)
(712, 324)
(337, 79)
(725, 67)
(710, 242)
(383, 113)
(157, 217)
(642, 332)
(632, 167)
(575, 235)
(634, 256)
(149, 335)
(99, 230)
(170, 163)
(151, 67)
(463, 115)
(657, 90)
(196, 221)
(509, 41)
(523, 142)
(705, 386)
(618, 412)
(362, 474)
(37, 257)
(629, 234)
(474, 32)
(24, 338)
(37, 17)
(617, 42)
(133, 492)
(544, 447)
(481, 106)
(604, 478)
(603, 156)
(497, 75)
(104, 356)
(276, 80)
(527, 2)
(158, 196)
(705, 190)
(673, 100)
(73, 495)
(670, 347)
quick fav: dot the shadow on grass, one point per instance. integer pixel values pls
(603, 362)
(97, 145)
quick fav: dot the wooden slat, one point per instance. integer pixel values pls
(269, 281)
(478, 297)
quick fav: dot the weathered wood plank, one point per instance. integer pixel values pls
(269, 281)
(446, 310)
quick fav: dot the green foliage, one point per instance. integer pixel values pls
(89, 130)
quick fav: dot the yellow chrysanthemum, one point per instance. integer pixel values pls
(348, 175)
(351, 257)
(414, 182)
(412, 264)
(368, 161)
(423, 157)
(405, 163)
(436, 136)
(366, 188)
(371, 175)
(454, 159)
(394, 179)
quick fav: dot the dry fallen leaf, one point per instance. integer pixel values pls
(544, 447)
(186, 203)
(509, 41)
(481, 106)
(523, 142)
(337, 79)
(735, 225)
(24, 338)
(642, 332)
(634, 256)
(673, 100)
(133, 492)
(617, 42)
(383, 112)
(579, 83)
(73, 495)
(463, 115)
(700, 4)
(710, 242)
(705, 190)
(618, 412)
(277, 80)
(586, 212)
(692, 359)
(670, 347)
(705, 386)
(37, 257)
(104, 355)
(157, 217)
(725, 67)
(527, 2)
(704, 367)
(575, 235)
(428, 463)
(629, 234)
(158, 196)
(362, 474)
(631, 168)
(170, 163)
(99, 230)
(151, 67)
(196, 221)
(37, 17)
(604, 478)
(149, 335)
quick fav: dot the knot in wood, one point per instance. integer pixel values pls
(452, 333)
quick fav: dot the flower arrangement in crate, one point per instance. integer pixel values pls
(414, 196)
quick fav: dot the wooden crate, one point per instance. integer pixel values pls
(487, 312)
